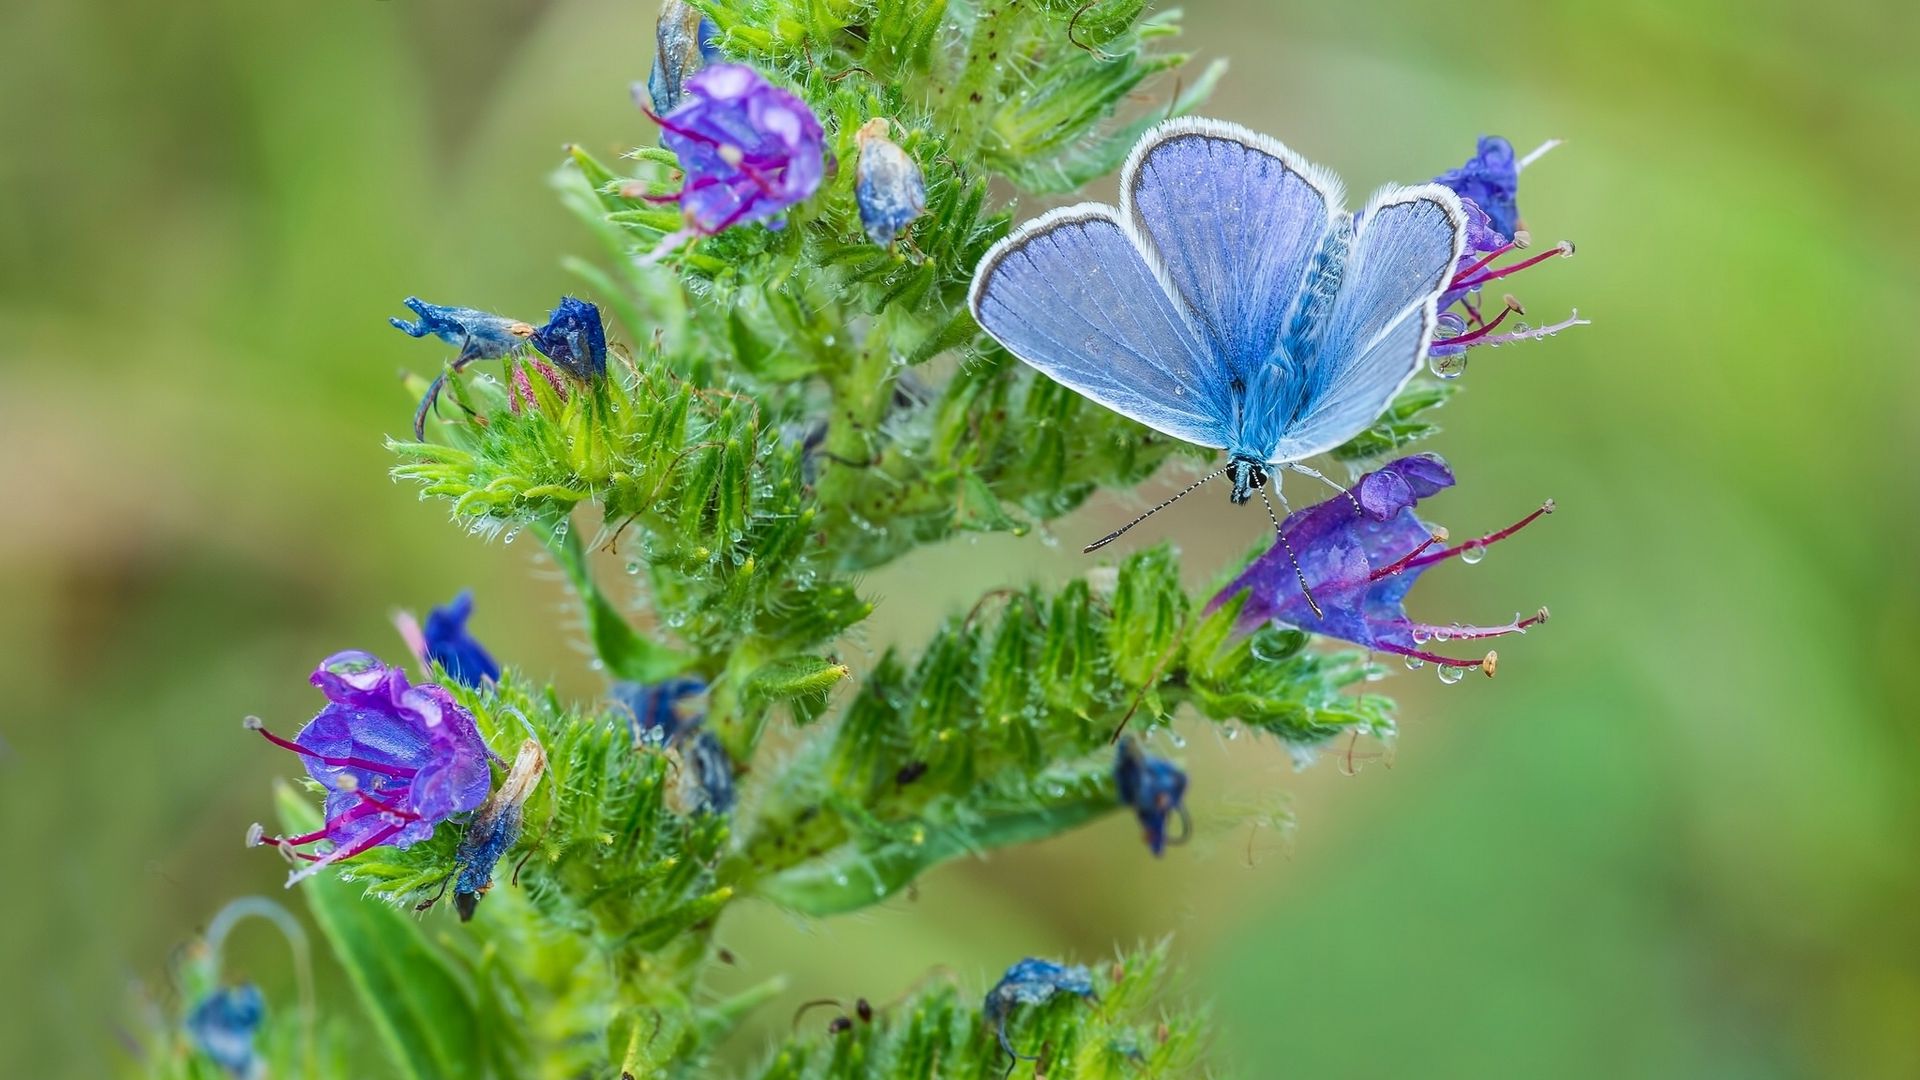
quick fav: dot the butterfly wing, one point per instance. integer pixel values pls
(1073, 294)
(1236, 219)
(1405, 247)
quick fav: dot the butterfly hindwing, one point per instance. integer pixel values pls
(1073, 294)
(1235, 219)
(1405, 247)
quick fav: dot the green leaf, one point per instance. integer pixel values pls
(422, 1010)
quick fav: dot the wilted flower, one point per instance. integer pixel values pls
(659, 711)
(1032, 982)
(495, 828)
(480, 335)
(889, 186)
(445, 641)
(1360, 552)
(1154, 787)
(574, 338)
(749, 150)
(223, 1025)
(684, 45)
(396, 760)
(710, 774)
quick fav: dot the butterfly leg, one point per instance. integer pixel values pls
(1303, 470)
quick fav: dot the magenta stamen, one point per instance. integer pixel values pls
(1554, 252)
(367, 800)
(1482, 264)
(295, 841)
(1470, 633)
(395, 771)
(1401, 563)
(371, 840)
(1473, 310)
(684, 132)
(1490, 538)
(1431, 658)
(1473, 336)
(759, 179)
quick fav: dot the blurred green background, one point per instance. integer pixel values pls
(1677, 837)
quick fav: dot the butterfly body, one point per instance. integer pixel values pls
(1229, 300)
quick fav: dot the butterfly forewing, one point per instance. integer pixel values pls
(1235, 219)
(1072, 294)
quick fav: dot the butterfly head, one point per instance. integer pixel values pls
(1248, 476)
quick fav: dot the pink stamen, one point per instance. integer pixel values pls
(1472, 336)
(1534, 334)
(1470, 633)
(295, 841)
(1401, 563)
(396, 771)
(1484, 541)
(367, 800)
(1418, 654)
(684, 132)
(1560, 249)
(1482, 264)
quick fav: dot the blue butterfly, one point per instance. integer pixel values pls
(1228, 300)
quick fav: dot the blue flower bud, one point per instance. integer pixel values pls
(890, 189)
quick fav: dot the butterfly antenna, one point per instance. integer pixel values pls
(1116, 534)
(1287, 547)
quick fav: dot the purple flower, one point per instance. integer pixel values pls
(711, 774)
(1032, 982)
(396, 760)
(481, 335)
(575, 339)
(659, 713)
(889, 187)
(1359, 553)
(445, 641)
(222, 1027)
(1154, 787)
(684, 44)
(495, 828)
(1488, 186)
(749, 149)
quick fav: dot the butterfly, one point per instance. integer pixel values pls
(1229, 300)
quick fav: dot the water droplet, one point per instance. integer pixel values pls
(1451, 366)
(1450, 675)
(1421, 635)
(1440, 635)
(1376, 674)
(1473, 553)
(1232, 733)
(1178, 740)
(1414, 663)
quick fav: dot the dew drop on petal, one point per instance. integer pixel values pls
(1450, 675)
(1448, 367)
(1414, 663)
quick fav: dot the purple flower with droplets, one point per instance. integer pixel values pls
(223, 1025)
(1488, 186)
(749, 150)
(1359, 553)
(1491, 178)
(575, 339)
(1032, 982)
(444, 640)
(396, 760)
(1154, 788)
